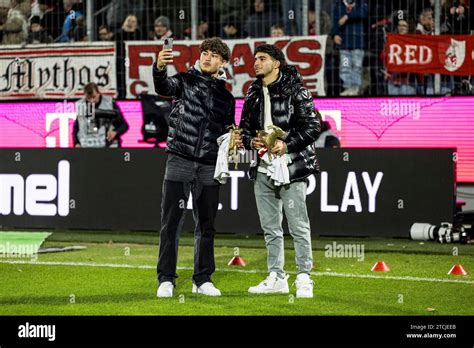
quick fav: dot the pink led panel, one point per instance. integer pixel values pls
(360, 122)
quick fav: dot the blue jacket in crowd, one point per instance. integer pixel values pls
(353, 31)
(68, 25)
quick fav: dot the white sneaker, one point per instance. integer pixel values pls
(351, 91)
(165, 289)
(346, 92)
(304, 286)
(271, 285)
(207, 289)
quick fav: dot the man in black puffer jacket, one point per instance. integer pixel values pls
(278, 98)
(202, 112)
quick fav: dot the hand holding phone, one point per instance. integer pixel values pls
(166, 54)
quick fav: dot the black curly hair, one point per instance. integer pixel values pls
(273, 52)
(216, 45)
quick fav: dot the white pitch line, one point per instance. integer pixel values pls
(410, 278)
(318, 274)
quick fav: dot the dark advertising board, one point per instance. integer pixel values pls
(359, 192)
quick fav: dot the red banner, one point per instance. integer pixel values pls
(305, 52)
(427, 54)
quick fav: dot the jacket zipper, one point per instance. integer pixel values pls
(198, 146)
(201, 127)
(262, 109)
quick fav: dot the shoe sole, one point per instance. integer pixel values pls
(195, 291)
(164, 296)
(304, 296)
(270, 292)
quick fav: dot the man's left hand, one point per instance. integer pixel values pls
(279, 148)
(111, 135)
(343, 20)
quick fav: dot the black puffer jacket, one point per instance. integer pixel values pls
(202, 111)
(303, 125)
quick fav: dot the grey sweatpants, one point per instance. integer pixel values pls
(271, 201)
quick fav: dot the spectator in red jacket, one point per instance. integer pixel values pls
(401, 83)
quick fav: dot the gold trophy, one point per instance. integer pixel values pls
(233, 148)
(269, 139)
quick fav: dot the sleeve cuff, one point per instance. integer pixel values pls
(158, 71)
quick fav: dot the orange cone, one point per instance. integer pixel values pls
(457, 269)
(380, 266)
(237, 261)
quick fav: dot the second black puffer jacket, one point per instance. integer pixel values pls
(202, 111)
(292, 110)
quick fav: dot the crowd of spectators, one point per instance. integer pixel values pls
(356, 29)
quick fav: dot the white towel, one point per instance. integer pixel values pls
(221, 173)
(277, 168)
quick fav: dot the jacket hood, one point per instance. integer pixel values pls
(196, 69)
(289, 79)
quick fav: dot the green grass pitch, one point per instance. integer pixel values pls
(115, 275)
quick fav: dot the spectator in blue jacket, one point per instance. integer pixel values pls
(69, 24)
(349, 37)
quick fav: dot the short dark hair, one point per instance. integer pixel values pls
(216, 45)
(273, 52)
(90, 88)
(35, 20)
(230, 21)
(105, 27)
(426, 12)
(277, 26)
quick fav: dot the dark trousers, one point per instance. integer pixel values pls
(175, 196)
